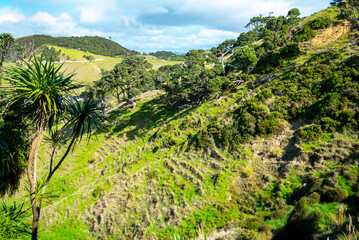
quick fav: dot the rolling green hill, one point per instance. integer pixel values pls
(271, 154)
(95, 45)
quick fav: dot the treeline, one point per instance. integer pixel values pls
(257, 58)
(167, 55)
(95, 45)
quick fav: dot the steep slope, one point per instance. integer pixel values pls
(274, 158)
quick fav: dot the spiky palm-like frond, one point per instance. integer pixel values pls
(83, 117)
(41, 86)
(11, 221)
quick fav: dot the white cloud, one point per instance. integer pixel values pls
(210, 33)
(8, 14)
(94, 11)
(44, 18)
(89, 15)
(146, 25)
(62, 25)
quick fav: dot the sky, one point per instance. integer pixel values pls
(145, 25)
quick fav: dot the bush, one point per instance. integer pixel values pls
(278, 214)
(320, 23)
(302, 224)
(245, 234)
(254, 222)
(264, 95)
(311, 133)
(204, 139)
(334, 194)
(290, 51)
(314, 198)
(305, 34)
(328, 124)
(97, 191)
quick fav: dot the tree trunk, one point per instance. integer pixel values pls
(30, 168)
(35, 219)
(133, 103)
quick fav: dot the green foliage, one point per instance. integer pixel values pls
(348, 10)
(246, 57)
(320, 23)
(97, 191)
(302, 223)
(264, 95)
(334, 194)
(95, 45)
(268, 62)
(193, 83)
(12, 224)
(6, 40)
(50, 54)
(278, 214)
(166, 55)
(305, 34)
(14, 135)
(247, 234)
(127, 79)
(290, 51)
(311, 133)
(328, 124)
(89, 57)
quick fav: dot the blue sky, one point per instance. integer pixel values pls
(144, 25)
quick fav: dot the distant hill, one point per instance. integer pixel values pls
(163, 54)
(167, 55)
(95, 45)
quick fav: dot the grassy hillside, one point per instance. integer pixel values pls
(275, 157)
(87, 72)
(67, 54)
(95, 45)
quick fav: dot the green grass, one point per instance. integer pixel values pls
(156, 64)
(108, 64)
(85, 73)
(88, 72)
(310, 146)
(279, 223)
(76, 55)
(69, 230)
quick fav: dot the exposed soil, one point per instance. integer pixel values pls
(331, 34)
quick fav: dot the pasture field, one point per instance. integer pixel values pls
(88, 72)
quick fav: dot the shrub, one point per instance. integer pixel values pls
(314, 198)
(302, 224)
(264, 95)
(246, 172)
(331, 82)
(311, 133)
(204, 139)
(97, 191)
(320, 23)
(328, 124)
(245, 234)
(278, 214)
(290, 51)
(334, 194)
(254, 222)
(304, 34)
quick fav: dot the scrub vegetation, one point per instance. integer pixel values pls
(256, 138)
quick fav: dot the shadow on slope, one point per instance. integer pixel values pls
(151, 114)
